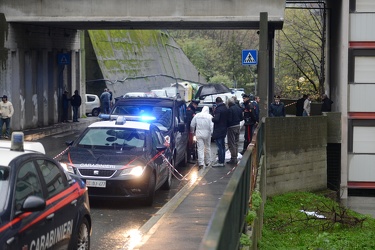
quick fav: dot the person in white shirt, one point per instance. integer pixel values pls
(203, 127)
(306, 106)
(6, 112)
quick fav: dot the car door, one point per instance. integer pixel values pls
(181, 139)
(159, 163)
(63, 198)
(33, 229)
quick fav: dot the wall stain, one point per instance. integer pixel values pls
(3, 37)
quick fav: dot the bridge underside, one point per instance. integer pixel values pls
(145, 14)
(149, 25)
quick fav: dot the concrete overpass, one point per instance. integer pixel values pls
(144, 14)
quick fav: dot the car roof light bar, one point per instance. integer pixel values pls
(108, 117)
(120, 120)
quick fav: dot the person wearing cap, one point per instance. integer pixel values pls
(6, 112)
(250, 120)
(220, 121)
(65, 102)
(76, 102)
(190, 113)
(277, 108)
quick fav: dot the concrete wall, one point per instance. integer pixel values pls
(32, 78)
(295, 150)
(139, 60)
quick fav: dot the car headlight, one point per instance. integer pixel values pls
(67, 167)
(194, 138)
(134, 171)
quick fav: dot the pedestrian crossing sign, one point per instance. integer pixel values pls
(249, 57)
(63, 59)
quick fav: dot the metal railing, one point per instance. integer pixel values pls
(228, 221)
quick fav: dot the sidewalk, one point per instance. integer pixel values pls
(182, 222)
(37, 133)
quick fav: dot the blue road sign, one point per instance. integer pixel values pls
(63, 59)
(249, 57)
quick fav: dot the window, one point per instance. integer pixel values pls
(109, 138)
(27, 183)
(53, 177)
(363, 5)
(361, 80)
(182, 113)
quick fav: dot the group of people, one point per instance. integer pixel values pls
(225, 122)
(75, 102)
(303, 105)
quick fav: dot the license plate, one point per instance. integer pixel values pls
(95, 183)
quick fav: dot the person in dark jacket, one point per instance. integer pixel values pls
(76, 102)
(65, 102)
(327, 103)
(250, 121)
(190, 113)
(220, 121)
(299, 105)
(277, 108)
(235, 116)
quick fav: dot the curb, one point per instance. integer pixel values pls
(149, 228)
(38, 133)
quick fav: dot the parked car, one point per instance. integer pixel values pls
(120, 159)
(168, 114)
(41, 206)
(92, 105)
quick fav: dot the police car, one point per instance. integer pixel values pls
(41, 207)
(120, 159)
(168, 114)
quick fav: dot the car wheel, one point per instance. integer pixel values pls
(151, 190)
(95, 112)
(83, 236)
(168, 182)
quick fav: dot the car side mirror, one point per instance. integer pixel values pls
(181, 127)
(69, 143)
(33, 203)
(161, 147)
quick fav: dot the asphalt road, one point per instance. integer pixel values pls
(116, 223)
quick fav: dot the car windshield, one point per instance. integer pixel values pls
(163, 115)
(113, 138)
(4, 187)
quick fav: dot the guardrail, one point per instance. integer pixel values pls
(228, 221)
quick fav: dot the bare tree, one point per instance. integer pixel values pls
(301, 51)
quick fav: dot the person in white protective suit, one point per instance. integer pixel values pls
(203, 127)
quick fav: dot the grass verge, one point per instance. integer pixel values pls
(303, 220)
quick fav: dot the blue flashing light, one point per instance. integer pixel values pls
(108, 117)
(104, 116)
(147, 118)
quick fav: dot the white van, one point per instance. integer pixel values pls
(92, 103)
